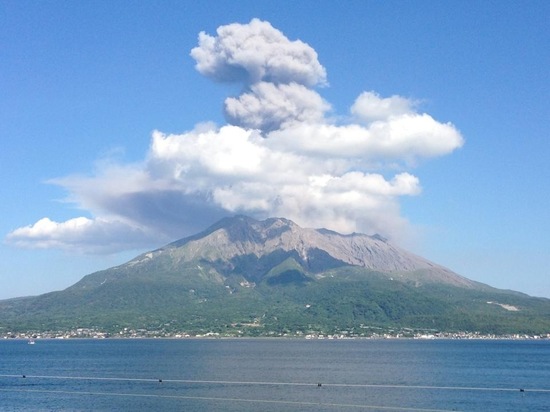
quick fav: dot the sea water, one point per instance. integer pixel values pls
(274, 375)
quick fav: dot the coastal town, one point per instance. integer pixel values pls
(130, 333)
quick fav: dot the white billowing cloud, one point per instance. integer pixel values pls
(370, 107)
(81, 234)
(351, 202)
(278, 156)
(277, 72)
(231, 152)
(256, 52)
(408, 137)
(270, 106)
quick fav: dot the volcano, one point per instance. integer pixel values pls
(273, 277)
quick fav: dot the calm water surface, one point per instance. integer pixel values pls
(274, 375)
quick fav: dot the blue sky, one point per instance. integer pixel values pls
(425, 121)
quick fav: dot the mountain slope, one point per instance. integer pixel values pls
(273, 276)
(247, 245)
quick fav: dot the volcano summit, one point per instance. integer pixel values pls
(242, 276)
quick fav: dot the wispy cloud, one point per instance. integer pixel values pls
(279, 155)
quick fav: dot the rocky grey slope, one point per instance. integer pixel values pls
(239, 236)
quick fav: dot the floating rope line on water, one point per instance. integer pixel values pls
(251, 383)
(207, 398)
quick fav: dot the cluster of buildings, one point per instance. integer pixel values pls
(129, 333)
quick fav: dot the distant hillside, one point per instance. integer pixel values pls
(272, 277)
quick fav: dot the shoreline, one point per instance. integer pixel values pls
(450, 336)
